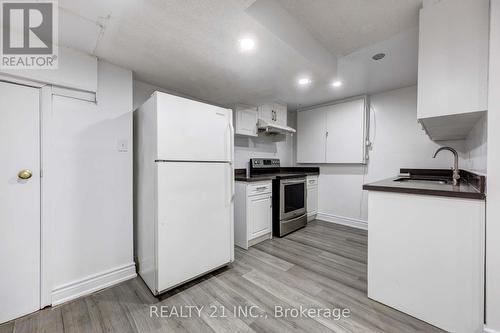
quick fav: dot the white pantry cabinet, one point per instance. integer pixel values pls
(312, 197)
(245, 120)
(333, 133)
(252, 213)
(452, 66)
(275, 113)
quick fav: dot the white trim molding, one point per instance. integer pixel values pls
(348, 221)
(45, 214)
(92, 284)
(490, 330)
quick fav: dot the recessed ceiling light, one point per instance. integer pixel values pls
(378, 56)
(337, 83)
(247, 44)
(304, 81)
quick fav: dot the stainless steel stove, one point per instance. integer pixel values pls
(289, 195)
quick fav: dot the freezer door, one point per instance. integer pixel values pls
(195, 220)
(204, 131)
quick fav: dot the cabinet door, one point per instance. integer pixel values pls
(266, 112)
(453, 58)
(280, 114)
(311, 132)
(259, 215)
(312, 199)
(246, 121)
(345, 140)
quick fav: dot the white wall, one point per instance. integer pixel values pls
(398, 142)
(263, 146)
(244, 147)
(493, 180)
(88, 186)
(76, 70)
(476, 146)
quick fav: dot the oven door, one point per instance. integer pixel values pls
(292, 198)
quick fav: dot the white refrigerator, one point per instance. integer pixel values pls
(183, 190)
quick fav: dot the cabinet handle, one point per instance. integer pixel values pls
(261, 188)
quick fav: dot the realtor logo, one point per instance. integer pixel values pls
(29, 34)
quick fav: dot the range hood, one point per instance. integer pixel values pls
(270, 128)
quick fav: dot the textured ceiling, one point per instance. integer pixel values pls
(190, 46)
(344, 26)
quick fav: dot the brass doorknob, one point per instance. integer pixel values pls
(24, 174)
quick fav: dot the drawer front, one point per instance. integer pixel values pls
(312, 181)
(259, 188)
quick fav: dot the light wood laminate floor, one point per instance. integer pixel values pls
(320, 266)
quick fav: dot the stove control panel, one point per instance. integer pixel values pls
(264, 163)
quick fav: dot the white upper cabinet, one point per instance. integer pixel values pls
(274, 113)
(281, 114)
(245, 118)
(452, 66)
(266, 112)
(334, 133)
(311, 136)
(345, 139)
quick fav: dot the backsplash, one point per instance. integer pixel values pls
(262, 146)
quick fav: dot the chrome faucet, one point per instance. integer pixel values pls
(456, 172)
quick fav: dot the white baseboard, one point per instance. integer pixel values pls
(490, 330)
(348, 221)
(92, 284)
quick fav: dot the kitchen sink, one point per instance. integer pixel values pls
(424, 181)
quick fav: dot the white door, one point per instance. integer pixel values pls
(260, 215)
(195, 220)
(194, 131)
(311, 136)
(19, 201)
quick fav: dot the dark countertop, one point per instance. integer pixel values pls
(471, 185)
(254, 178)
(285, 172)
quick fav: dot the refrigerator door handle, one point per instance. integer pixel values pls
(231, 142)
(231, 166)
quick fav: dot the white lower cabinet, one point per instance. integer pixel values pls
(312, 197)
(426, 258)
(252, 213)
